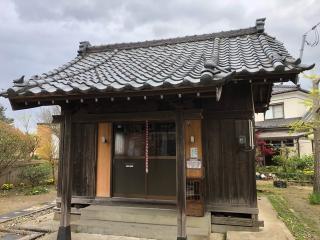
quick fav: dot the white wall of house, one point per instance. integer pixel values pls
(305, 146)
(293, 104)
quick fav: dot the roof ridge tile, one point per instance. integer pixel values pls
(171, 41)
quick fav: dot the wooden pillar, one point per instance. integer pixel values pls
(180, 177)
(64, 232)
(104, 160)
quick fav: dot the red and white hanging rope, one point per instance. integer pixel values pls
(147, 146)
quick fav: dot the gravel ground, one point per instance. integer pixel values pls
(15, 223)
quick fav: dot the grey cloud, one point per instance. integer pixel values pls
(38, 10)
(131, 13)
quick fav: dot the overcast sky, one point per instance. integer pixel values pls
(38, 35)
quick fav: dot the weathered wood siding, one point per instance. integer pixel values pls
(229, 170)
(84, 156)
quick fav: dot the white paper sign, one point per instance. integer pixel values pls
(194, 153)
(193, 164)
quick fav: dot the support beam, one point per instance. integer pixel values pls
(181, 177)
(64, 232)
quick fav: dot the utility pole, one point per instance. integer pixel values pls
(304, 36)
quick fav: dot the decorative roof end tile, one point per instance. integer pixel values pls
(211, 71)
(83, 46)
(260, 24)
(19, 81)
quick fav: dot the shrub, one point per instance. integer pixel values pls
(6, 186)
(14, 146)
(267, 169)
(36, 190)
(35, 175)
(278, 160)
(294, 162)
(305, 162)
(314, 198)
(293, 167)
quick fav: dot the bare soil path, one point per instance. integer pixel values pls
(14, 200)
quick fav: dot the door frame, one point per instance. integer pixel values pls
(134, 117)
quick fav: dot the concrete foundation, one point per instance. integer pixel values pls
(139, 222)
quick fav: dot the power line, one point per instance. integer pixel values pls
(314, 42)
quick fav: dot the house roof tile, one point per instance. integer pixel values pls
(284, 88)
(276, 123)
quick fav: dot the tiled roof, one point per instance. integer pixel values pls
(284, 88)
(280, 135)
(192, 60)
(276, 123)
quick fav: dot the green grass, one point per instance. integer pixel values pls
(298, 226)
(314, 198)
(294, 223)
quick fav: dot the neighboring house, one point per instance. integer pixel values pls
(287, 105)
(165, 123)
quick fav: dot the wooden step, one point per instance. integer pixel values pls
(141, 215)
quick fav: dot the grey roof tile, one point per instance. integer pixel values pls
(167, 62)
(284, 88)
(276, 123)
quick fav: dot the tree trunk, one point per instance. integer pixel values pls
(316, 181)
(316, 105)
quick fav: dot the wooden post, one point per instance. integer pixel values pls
(64, 232)
(180, 177)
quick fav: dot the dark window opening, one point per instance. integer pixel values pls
(130, 139)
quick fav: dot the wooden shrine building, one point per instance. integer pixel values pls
(167, 121)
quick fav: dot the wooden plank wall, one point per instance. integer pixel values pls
(230, 172)
(84, 152)
(104, 160)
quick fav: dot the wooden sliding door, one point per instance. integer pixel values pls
(144, 160)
